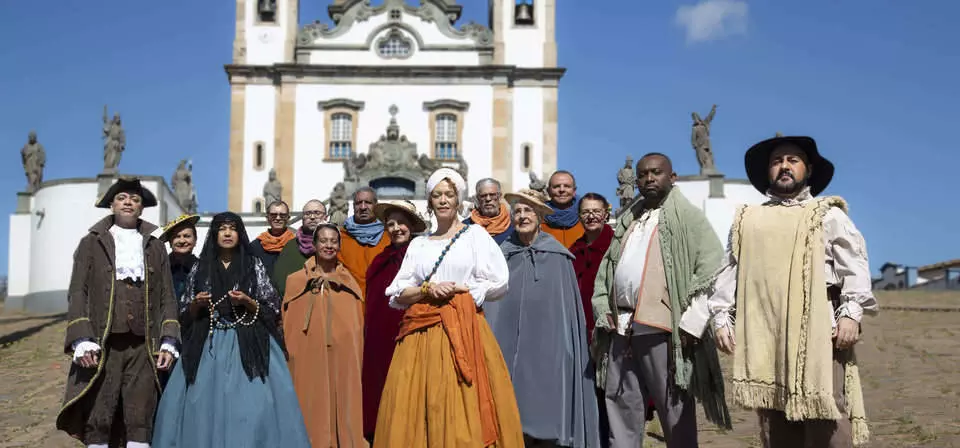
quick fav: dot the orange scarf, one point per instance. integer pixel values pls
(272, 243)
(495, 225)
(459, 318)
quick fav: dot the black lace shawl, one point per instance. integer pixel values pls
(246, 273)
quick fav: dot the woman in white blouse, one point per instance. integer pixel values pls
(448, 385)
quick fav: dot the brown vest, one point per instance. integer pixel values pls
(653, 298)
(128, 307)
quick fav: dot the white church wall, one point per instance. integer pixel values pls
(314, 178)
(528, 129)
(265, 43)
(19, 252)
(720, 211)
(524, 44)
(259, 124)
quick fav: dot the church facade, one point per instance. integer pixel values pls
(387, 94)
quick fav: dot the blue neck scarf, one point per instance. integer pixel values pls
(366, 234)
(564, 218)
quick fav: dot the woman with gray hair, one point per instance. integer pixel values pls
(541, 329)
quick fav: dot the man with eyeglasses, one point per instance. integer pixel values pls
(267, 245)
(491, 211)
(296, 252)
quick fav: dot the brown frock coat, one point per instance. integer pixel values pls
(90, 312)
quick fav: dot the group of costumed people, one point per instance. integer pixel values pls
(532, 323)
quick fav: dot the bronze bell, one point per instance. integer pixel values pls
(268, 6)
(523, 14)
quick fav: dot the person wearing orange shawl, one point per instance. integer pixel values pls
(491, 211)
(363, 236)
(267, 245)
(564, 224)
(448, 385)
(322, 317)
(382, 321)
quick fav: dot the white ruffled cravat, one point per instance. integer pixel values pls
(128, 253)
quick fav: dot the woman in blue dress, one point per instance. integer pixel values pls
(231, 388)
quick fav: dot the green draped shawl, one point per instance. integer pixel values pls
(691, 256)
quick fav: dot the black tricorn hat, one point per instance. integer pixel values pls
(757, 162)
(127, 184)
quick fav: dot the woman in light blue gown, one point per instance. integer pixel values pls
(231, 387)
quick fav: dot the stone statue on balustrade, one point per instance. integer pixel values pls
(536, 184)
(700, 139)
(183, 189)
(272, 190)
(114, 142)
(338, 205)
(627, 179)
(34, 159)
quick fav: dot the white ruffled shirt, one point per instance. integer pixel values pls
(846, 266)
(128, 254)
(474, 260)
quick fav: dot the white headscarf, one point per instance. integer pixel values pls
(449, 174)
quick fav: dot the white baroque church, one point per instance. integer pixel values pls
(380, 98)
(388, 93)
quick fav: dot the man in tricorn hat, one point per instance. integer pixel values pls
(122, 324)
(796, 273)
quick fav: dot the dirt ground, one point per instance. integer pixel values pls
(911, 390)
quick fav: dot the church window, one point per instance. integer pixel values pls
(341, 136)
(258, 156)
(445, 145)
(394, 46)
(526, 156)
(395, 14)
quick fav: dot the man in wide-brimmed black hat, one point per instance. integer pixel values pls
(797, 274)
(122, 324)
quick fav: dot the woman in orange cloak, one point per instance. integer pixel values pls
(323, 329)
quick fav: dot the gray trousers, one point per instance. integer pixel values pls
(639, 368)
(778, 432)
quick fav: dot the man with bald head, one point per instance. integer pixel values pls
(363, 236)
(797, 274)
(491, 211)
(564, 223)
(300, 249)
(663, 251)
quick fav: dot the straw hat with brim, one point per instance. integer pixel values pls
(757, 163)
(532, 198)
(383, 209)
(128, 185)
(182, 222)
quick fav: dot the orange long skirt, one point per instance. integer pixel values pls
(425, 405)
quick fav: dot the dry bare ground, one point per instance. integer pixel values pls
(908, 362)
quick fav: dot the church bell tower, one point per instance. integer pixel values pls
(524, 36)
(265, 34)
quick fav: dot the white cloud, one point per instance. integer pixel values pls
(713, 19)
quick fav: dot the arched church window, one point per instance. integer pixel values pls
(526, 156)
(258, 156)
(446, 144)
(394, 46)
(341, 136)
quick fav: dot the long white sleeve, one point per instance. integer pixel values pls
(847, 250)
(490, 275)
(405, 278)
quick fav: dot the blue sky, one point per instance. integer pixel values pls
(875, 82)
